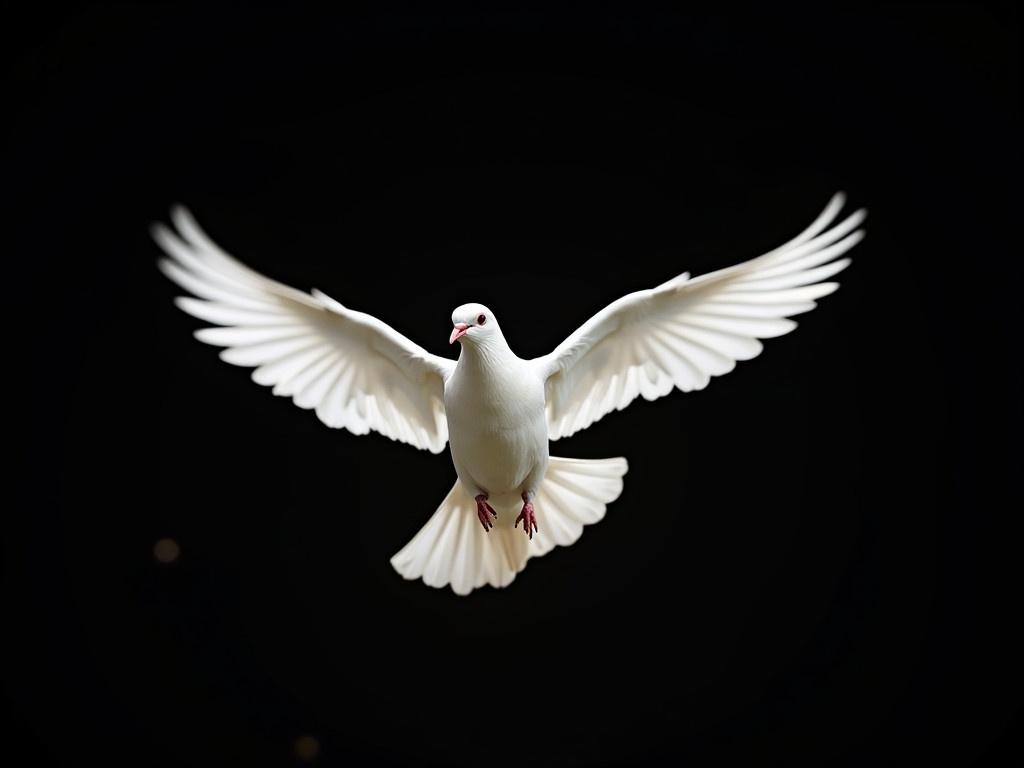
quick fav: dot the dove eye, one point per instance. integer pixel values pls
(481, 319)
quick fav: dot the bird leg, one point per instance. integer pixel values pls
(485, 512)
(527, 515)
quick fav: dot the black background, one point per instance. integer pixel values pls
(809, 562)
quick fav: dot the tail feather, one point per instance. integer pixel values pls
(452, 548)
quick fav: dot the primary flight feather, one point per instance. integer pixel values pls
(498, 411)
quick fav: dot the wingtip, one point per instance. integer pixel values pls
(159, 232)
(190, 305)
(856, 218)
(828, 288)
(182, 218)
(164, 265)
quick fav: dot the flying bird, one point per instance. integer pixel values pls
(512, 500)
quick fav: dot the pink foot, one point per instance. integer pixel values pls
(485, 512)
(529, 519)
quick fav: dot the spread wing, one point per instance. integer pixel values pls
(356, 371)
(685, 331)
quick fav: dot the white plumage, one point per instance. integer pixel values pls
(497, 410)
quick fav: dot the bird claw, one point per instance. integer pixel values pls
(529, 519)
(484, 512)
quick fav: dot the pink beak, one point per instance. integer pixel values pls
(458, 332)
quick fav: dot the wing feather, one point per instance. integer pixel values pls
(354, 370)
(688, 330)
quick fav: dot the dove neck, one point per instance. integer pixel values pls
(487, 355)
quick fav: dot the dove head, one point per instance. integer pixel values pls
(474, 323)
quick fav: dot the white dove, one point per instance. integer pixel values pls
(498, 410)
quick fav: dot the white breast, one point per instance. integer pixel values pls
(496, 424)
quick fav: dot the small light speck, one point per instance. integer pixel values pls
(166, 550)
(307, 748)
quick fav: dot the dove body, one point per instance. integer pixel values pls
(494, 402)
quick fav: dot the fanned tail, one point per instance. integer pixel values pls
(452, 548)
